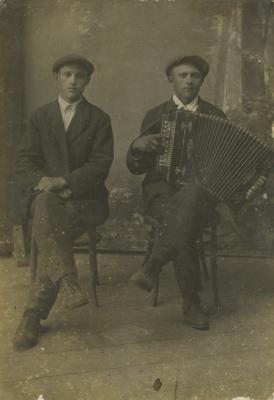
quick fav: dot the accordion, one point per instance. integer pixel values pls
(227, 160)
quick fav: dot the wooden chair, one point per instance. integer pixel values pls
(21, 245)
(212, 243)
(25, 254)
(94, 238)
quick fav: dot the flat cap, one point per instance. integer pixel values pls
(201, 64)
(73, 59)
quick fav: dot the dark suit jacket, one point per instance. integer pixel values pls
(154, 184)
(82, 155)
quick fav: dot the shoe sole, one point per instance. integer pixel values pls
(199, 327)
(77, 305)
(141, 284)
(25, 346)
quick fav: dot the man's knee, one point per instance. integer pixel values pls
(45, 202)
(193, 191)
(189, 199)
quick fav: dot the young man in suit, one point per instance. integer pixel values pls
(179, 211)
(62, 162)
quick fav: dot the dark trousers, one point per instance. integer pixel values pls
(55, 226)
(181, 216)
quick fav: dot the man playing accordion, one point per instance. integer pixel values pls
(182, 210)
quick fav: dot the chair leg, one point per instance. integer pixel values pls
(214, 267)
(202, 258)
(150, 245)
(33, 259)
(155, 292)
(94, 273)
(19, 244)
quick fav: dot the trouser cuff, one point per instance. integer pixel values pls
(32, 310)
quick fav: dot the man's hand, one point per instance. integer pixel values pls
(148, 143)
(51, 184)
(65, 194)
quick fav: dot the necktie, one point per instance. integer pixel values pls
(68, 115)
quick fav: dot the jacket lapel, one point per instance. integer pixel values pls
(79, 122)
(156, 119)
(202, 109)
(57, 132)
(167, 108)
(170, 106)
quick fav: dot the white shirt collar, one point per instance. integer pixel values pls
(192, 106)
(64, 104)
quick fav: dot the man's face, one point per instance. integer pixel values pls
(72, 80)
(186, 80)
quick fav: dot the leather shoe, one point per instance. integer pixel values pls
(146, 277)
(143, 280)
(194, 316)
(27, 332)
(71, 293)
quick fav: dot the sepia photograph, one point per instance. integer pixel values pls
(137, 199)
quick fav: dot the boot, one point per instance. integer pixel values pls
(27, 332)
(70, 292)
(193, 313)
(146, 277)
(143, 280)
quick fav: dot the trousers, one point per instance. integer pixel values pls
(55, 227)
(181, 216)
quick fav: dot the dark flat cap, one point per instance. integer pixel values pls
(201, 64)
(73, 59)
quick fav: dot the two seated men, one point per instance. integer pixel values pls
(63, 160)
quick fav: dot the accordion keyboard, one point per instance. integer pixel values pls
(229, 162)
(165, 160)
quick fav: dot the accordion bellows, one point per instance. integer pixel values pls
(228, 161)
